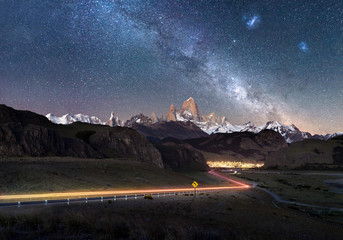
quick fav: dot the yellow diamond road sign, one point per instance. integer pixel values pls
(195, 184)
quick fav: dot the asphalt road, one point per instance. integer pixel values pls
(91, 196)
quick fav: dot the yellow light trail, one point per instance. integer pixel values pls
(123, 192)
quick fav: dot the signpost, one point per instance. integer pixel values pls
(195, 184)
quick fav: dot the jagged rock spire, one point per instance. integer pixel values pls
(171, 114)
(113, 121)
(154, 117)
(190, 110)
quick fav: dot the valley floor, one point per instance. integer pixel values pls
(318, 193)
(231, 214)
(53, 174)
(243, 214)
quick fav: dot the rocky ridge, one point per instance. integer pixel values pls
(24, 133)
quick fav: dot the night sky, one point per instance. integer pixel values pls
(248, 60)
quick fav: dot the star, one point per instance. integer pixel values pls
(303, 46)
(101, 56)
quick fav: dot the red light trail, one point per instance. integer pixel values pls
(229, 179)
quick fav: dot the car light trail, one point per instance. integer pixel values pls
(123, 192)
(229, 179)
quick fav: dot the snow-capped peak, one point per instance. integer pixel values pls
(273, 124)
(113, 121)
(279, 127)
(208, 123)
(112, 116)
(69, 118)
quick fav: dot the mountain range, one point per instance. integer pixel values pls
(166, 144)
(189, 112)
(69, 118)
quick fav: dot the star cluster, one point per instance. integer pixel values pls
(248, 60)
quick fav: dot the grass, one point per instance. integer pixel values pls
(41, 175)
(296, 187)
(309, 189)
(309, 153)
(222, 217)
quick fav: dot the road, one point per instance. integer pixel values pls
(27, 199)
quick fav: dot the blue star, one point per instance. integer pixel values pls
(303, 46)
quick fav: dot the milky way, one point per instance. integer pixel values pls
(248, 60)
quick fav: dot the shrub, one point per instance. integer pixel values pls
(148, 197)
(337, 155)
(283, 181)
(75, 225)
(200, 233)
(335, 213)
(316, 151)
(121, 230)
(276, 167)
(85, 135)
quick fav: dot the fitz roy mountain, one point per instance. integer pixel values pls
(189, 112)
